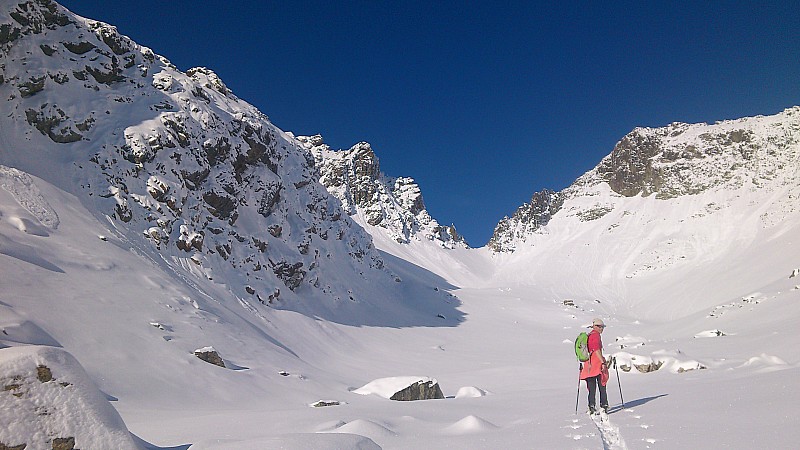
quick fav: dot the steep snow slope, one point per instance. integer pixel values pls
(191, 175)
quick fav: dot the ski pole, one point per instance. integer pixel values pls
(618, 383)
(578, 395)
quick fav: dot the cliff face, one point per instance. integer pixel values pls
(685, 159)
(527, 219)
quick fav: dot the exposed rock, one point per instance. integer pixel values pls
(689, 369)
(420, 390)
(219, 205)
(528, 218)
(647, 368)
(291, 274)
(209, 355)
(79, 48)
(67, 443)
(321, 404)
(48, 121)
(629, 169)
(594, 213)
(13, 447)
(44, 374)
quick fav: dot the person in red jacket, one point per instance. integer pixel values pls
(594, 370)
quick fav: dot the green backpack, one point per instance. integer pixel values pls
(581, 347)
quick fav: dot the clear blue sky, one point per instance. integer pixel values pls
(483, 103)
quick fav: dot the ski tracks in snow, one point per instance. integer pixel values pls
(608, 432)
(584, 432)
(612, 439)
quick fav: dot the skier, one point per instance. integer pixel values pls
(594, 371)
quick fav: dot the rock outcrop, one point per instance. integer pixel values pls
(209, 355)
(408, 388)
(421, 390)
(527, 219)
(391, 204)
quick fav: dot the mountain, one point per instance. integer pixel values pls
(391, 205)
(190, 174)
(146, 214)
(756, 154)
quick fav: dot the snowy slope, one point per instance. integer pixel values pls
(698, 276)
(755, 154)
(191, 175)
(701, 205)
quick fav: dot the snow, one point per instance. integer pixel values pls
(470, 391)
(134, 328)
(698, 283)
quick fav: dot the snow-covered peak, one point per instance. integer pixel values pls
(682, 159)
(756, 153)
(392, 205)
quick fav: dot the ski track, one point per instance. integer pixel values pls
(612, 439)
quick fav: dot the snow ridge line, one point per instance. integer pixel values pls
(612, 439)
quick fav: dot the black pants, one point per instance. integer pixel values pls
(592, 383)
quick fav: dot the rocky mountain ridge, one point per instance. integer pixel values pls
(677, 160)
(178, 164)
(394, 205)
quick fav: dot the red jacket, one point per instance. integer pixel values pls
(594, 343)
(593, 367)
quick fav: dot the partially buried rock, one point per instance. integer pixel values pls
(403, 388)
(209, 355)
(647, 368)
(421, 390)
(48, 401)
(324, 403)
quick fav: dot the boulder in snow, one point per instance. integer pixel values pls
(324, 403)
(209, 355)
(420, 390)
(403, 388)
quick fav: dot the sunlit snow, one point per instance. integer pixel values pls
(699, 292)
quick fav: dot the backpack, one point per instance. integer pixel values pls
(582, 347)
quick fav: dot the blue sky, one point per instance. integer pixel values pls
(483, 103)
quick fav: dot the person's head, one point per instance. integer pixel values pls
(597, 324)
